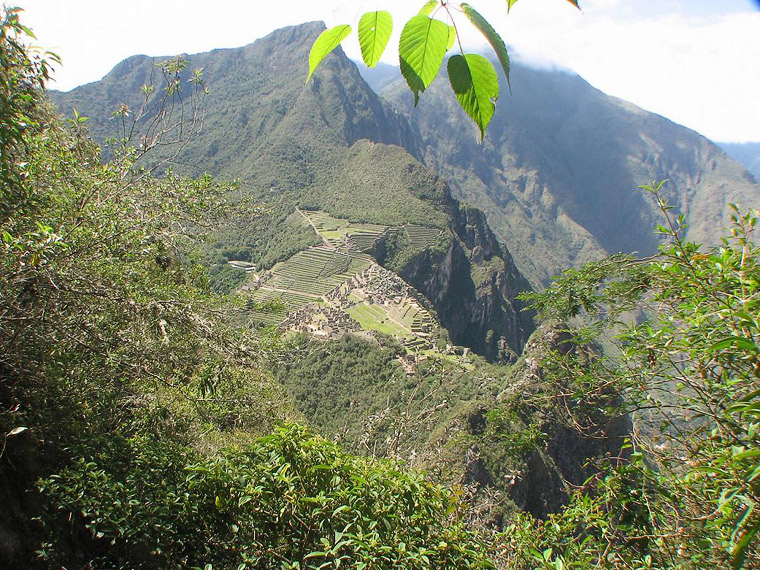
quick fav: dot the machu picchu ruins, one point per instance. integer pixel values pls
(337, 288)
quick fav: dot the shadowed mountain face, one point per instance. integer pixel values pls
(558, 173)
(333, 145)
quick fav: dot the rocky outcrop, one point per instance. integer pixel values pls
(566, 459)
(522, 451)
(473, 285)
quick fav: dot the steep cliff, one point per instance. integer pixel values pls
(473, 284)
(530, 446)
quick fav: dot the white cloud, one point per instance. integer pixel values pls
(700, 72)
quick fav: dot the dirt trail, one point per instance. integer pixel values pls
(316, 231)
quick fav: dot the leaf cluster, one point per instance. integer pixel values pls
(423, 45)
(688, 372)
(288, 500)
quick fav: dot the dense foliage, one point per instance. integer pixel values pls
(290, 500)
(688, 494)
(123, 386)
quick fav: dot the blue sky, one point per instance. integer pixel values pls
(693, 61)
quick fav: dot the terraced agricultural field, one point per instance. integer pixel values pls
(422, 236)
(277, 304)
(316, 270)
(342, 233)
(303, 279)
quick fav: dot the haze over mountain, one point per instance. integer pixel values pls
(747, 154)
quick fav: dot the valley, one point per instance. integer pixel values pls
(329, 329)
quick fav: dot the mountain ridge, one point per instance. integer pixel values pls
(558, 171)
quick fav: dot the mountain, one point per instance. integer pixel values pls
(332, 146)
(556, 177)
(559, 169)
(746, 153)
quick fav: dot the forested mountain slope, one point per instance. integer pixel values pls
(558, 172)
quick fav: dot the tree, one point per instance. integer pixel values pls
(424, 42)
(689, 372)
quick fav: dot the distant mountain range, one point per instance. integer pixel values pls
(556, 177)
(747, 154)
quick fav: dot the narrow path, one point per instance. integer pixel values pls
(316, 231)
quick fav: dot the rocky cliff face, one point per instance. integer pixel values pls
(473, 285)
(524, 450)
(566, 459)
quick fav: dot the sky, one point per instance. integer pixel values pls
(697, 62)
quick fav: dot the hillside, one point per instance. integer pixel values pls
(333, 146)
(150, 417)
(558, 173)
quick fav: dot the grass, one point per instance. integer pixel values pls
(375, 318)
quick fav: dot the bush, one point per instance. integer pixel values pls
(289, 500)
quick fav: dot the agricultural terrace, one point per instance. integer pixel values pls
(340, 233)
(302, 279)
(316, 270)
(361, 237)
(422, 236)
(271, 307)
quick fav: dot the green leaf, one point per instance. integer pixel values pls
(421, 51)
(476, 86)
(452, 37)
(427, 9)
(374, 32)
(324, 44)
(735, 341)
(17, 430)
(499, 48)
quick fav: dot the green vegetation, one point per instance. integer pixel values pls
(141, 428)
(422, 47)
(691, 370)
(382, 184)
(375, 318)
(289, 500)
(356, 391)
